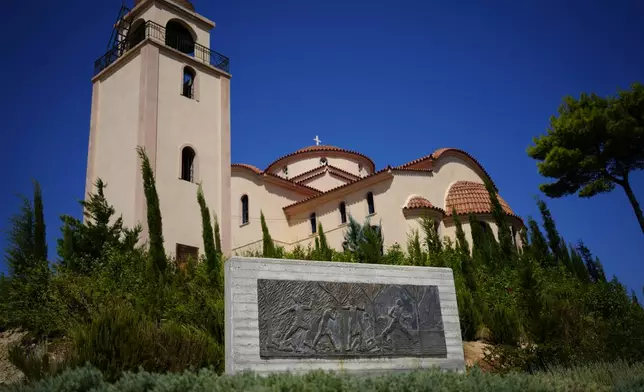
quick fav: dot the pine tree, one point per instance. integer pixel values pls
(268, 247)
(155, 226)
(505, 235)
(84, 243)
(212, 256)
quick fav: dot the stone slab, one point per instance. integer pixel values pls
(297, 316)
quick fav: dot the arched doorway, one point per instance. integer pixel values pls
(178, 36)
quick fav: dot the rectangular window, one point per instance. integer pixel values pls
(314, 227)
(185, 253)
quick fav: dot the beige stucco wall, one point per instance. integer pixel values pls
(188, 122)
(390, 196)
(324, 182)
(113, 135)
(263, 196)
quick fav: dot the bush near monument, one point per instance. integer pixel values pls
(602, 377)
(108, 302)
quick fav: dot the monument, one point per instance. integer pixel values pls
(297, 316)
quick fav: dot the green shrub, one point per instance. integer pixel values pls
(89, 378)
(123, 339)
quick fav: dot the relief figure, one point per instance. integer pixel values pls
(298, 322)
(397, 317)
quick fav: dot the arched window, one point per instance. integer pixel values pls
(343, 212)
(188, 164)
(323, 161)
(179, 37)
(244, 207)
(370, 205)
(313, 219)
(189, 76)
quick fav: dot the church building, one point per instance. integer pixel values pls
(161, 87)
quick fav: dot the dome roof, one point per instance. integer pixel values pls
(471, 197)
(416, 202)
(312, 150)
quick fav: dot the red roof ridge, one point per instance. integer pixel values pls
(299, 178)
(439, 152)
(263, 173)
(247, 166)
(321, 148)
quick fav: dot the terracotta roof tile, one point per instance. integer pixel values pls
(419, 202)
(471, 197)
(439, 152)
(321, 148)
(247, 166)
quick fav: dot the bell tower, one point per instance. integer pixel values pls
(160, 86)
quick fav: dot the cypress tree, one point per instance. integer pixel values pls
(504, 233)
(217, 236)
(461, 241)
(67, 249)
(538, 244)
(40, 240)
(268, 247)
(414, 250)
(593, 266)
(155, 227)
(634, 298)
(212, 257)
(577, 265)
(325, 253)
(432, 240)
(554, 239)
(20, 251)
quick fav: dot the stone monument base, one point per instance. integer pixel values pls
(298, 316)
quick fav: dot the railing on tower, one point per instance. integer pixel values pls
(157, 32)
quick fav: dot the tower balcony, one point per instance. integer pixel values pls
(154, 31)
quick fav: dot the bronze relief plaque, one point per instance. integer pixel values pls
(308, 319)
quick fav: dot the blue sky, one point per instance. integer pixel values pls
(393, 80)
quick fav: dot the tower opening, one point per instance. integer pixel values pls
(137, 33)
(189, 76)
(179, 37)
(188, 164)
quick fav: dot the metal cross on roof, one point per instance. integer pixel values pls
(317, 140)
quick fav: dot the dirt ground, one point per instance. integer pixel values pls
(474, 353)
(8, 372)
